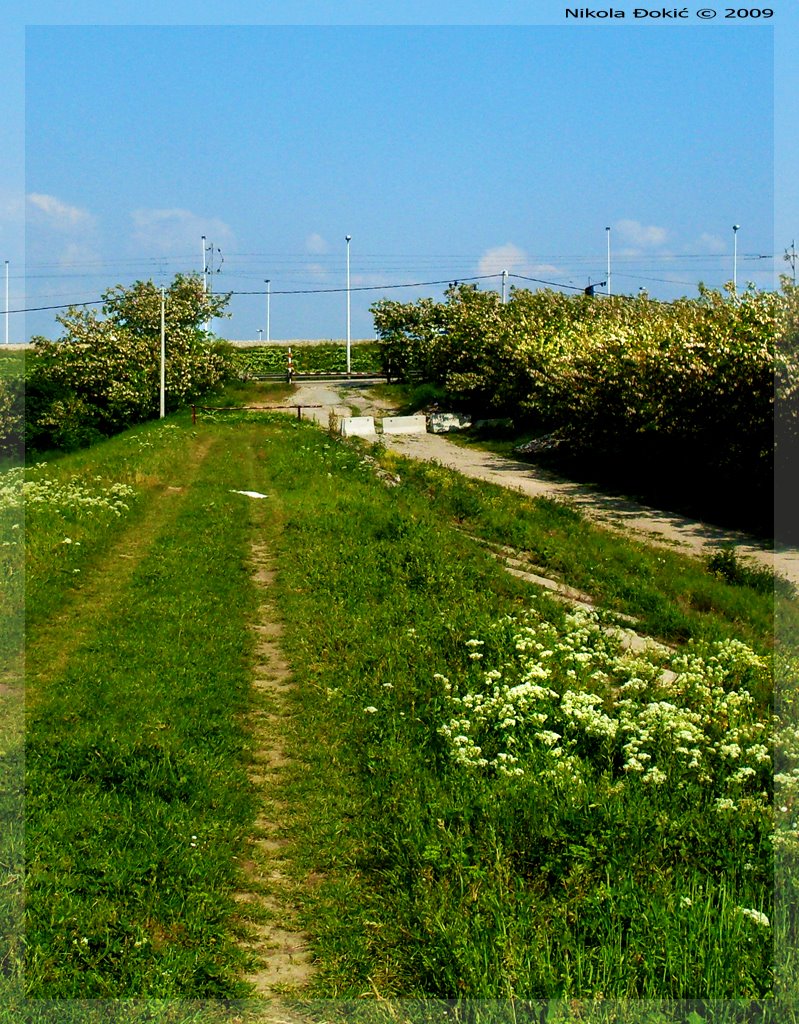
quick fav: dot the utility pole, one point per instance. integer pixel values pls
(6, 302)
(504, 282)
(348, 239)
(735, 229)
(607, 232)
(208, 268)
(790, 257)
(163, 356)
(268, 286)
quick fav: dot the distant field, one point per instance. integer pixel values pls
(310, 357)
(12, 363)
(303, 341)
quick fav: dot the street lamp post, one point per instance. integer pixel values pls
(267, 283)
(348, 239)
(735, 228)
(162, 382)
(260, 333)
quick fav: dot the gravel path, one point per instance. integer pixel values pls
(650, 524)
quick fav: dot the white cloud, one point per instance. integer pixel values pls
(316, 244)
(513, 259)
(644, 236)
(176, 230)
(712, 244)
(68, 234)
(56, 214)
(12, 206)
(75, 253)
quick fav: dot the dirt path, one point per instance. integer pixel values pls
(646, 523)
(281, 955)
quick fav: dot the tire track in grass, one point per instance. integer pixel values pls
(51, 644)
(137, 804)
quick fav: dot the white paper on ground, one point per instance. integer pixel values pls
(251, 494)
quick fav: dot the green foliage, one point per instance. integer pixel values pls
(727, 565)
(103, 375)
(687, 385)
(12, 414)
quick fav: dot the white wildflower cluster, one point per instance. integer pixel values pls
(569, 701)
(11, 489)
(786, 757)
(496, 714)
(757, 916)
(75, 496)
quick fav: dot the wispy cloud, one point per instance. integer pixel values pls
(641, 236)
(712, 244)
(68, 233)
(56, 214)
(513, 259)
(316, 244)
(178, 231)
(12, 206)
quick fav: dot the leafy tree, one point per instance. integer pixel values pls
(103, 374)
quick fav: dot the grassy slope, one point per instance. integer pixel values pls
(135, 728)
(439, 907)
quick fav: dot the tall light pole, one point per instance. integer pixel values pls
(504, 283)
(6, 302)
(735, 228)
(162, 389)
(607, 232)
(260, 333)
(348, 239)
(267, 283)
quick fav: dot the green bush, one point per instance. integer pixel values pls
(103, 375)
(12, 412)
(687, 387)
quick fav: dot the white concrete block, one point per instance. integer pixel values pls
(404, 425)
(358, 426)
(444, 422)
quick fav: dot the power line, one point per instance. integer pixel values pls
(552, 284)
(368, 287)
(68, 305)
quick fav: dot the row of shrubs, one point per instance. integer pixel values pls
(682, 391)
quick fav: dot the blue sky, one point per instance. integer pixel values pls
(504, 136)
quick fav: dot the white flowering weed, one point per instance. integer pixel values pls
(569, 702)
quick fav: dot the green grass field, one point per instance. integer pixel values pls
(487, 801)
